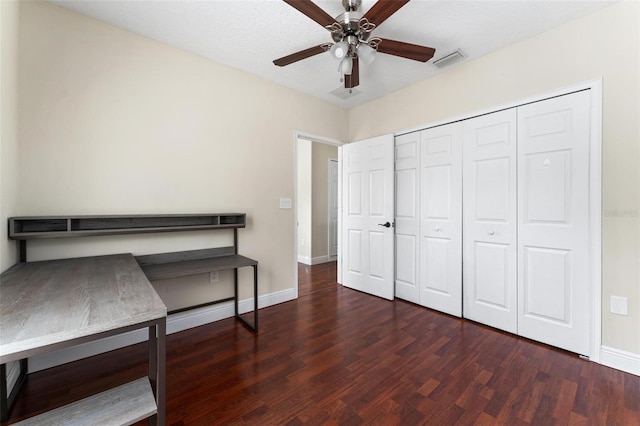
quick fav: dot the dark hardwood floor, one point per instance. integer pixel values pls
(337, 356)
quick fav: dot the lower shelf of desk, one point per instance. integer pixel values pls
(123, 405)
(163, 271)
(180, 264)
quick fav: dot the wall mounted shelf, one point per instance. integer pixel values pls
(36, 227)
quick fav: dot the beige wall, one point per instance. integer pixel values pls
(320, 188)
(8, 126)
(604, 44)
(114, 123)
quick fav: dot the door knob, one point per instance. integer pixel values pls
(437, 228)
(491, 232)
(386, 224)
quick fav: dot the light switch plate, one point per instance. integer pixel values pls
(285, 203)
(619, 305)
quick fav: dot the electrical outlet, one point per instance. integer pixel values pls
(213, 277)
(619, 305)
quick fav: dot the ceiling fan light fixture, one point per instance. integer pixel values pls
(366, 53)
(339, 50)
(346, 65)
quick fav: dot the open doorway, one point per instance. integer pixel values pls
(316, 228)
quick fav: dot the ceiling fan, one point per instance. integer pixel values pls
(351, 34)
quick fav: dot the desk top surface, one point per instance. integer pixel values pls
(49, 302)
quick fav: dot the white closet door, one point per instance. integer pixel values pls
(407, 216)
(441, 218)
(490, 275)
(368, 210)
(553, 219)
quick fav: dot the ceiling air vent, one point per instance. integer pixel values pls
(449, 59)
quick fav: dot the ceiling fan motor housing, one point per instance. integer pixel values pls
(351, 5)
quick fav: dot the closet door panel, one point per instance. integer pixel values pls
(441, 219)
(489, 229)
(407, 164)
(553, 205)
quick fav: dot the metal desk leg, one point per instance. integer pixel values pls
(255, 298)
(157, 369)
(254, 326)
(7, 398)
(235, 292)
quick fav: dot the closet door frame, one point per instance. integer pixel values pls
(595, 190)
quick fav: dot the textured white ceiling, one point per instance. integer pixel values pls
(249, 35)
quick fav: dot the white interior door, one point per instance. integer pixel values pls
(333, 209)
(407, 235)
(441, 218)
(367, 206)
(490, 222)
(553, 221)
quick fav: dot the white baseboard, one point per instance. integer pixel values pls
(175, 323)
(620, 360)
(316, 260)
(320, 259)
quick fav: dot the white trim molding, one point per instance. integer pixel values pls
(307, 260)
(316, 260)
(620, 360)
(175, 323)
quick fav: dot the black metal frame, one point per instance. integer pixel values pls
(7, 399)
(253, 327)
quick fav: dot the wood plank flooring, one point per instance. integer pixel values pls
(337, 356)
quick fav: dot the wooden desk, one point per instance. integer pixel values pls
(57, 304)
(50, 305)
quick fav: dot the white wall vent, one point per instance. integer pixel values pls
(449, 59)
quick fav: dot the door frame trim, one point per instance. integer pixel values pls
(330, 192)
(297, 134)
(595, 189)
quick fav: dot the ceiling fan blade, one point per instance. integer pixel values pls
(353, 79)
(380, 11)
(303, 54)
(406, 50)
(312, 10)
